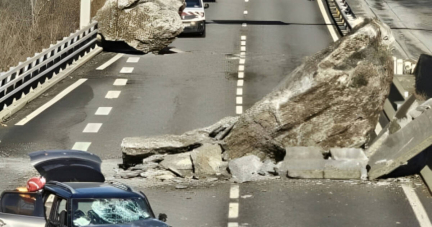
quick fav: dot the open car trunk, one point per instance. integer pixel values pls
(68, 166)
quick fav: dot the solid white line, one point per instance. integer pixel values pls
(240, 83)
(417, 206)
(81, 146)
(243, 37)
(109, 62)
(239, 91)
(241, 68)
(51, 102)
(127, 70)
(103, 111)
(233, 224)
(241, 75)
(233, 210)
(328, 21)
(92, 128)
(120, 82)
(235, 191)
(133, 60)
(112, 94)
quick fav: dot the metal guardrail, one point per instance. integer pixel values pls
(28, 75)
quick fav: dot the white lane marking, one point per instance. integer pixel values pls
(235, 191)
(242, 54)
(243, 37)
(417, 206)
(244, 25)
(120, 82)
(239, 100)
(328, 21)
(233, 210)
(239, 109)
(112, 94)
(133, 60)
(92, 127)
(246, 0)
(240, 83)
(241, 75)
(378, 128)
(109, 62)
(127, 70)
(243, 43)
(242, 61)
(81, 146)
(233, 224)
(103, 111)
(241, 68)
(245, 12)
(242, 48)
(239, 91)
(51, 102)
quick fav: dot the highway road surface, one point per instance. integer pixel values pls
(251, 45)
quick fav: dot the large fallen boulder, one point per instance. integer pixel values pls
(146, 25)
(332, 100)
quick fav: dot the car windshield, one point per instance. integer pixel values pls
(193, 4)
(93, 212)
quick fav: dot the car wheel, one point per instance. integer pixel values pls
(203, 34)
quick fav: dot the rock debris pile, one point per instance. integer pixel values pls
(146, 25)
(313, 125)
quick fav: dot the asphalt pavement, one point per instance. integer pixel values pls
(250, 46)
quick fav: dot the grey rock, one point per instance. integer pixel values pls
(296, 153)
(144, 167)
(207, 159)
(154, 159)
(245, 168)
(332, 100)
(180, 164)
(343, 169)
(152, 173)
(146, 25)
(267, 168)
(306, 168)
(129, 174)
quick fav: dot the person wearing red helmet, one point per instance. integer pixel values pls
(35, 184)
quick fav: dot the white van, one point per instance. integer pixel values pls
(193, 17)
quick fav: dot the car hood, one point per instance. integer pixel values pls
(141, 223)
(68, 166)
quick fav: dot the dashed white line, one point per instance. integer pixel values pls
(241, 75)
(417, 206)
(103, 111)
(243, 48)
(240, 83)
(243, 43)
(242, 61)
(233, 210)
(239, 109)
(328, 21)
(242, 54)
(92, 127)
(233, 224)
(235, 191)
(133, 60)
(127, 70)
(243, 37)
(241, 68)
(245, 12)
(81, 146)
(120, 82)
(244, 25)
(51, 102)
(112, 94)
(109, 62)
(239, 91)
(239, 100)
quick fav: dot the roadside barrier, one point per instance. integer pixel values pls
(36, 71)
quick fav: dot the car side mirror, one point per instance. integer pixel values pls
(163, 217)
(206, 6)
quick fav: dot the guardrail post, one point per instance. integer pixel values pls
(85, 16)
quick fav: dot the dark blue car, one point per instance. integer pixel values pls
(76, 195)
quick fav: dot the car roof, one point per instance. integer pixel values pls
(86, 190)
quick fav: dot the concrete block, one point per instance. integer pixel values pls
(304, 153)
(307, 169)
(348, 154)
(343, 169)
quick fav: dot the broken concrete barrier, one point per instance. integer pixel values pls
(343, 169)
(306, 169)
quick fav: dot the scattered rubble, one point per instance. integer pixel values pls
(148, 26)
(245, 169)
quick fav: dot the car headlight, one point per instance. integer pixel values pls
(193, 23)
